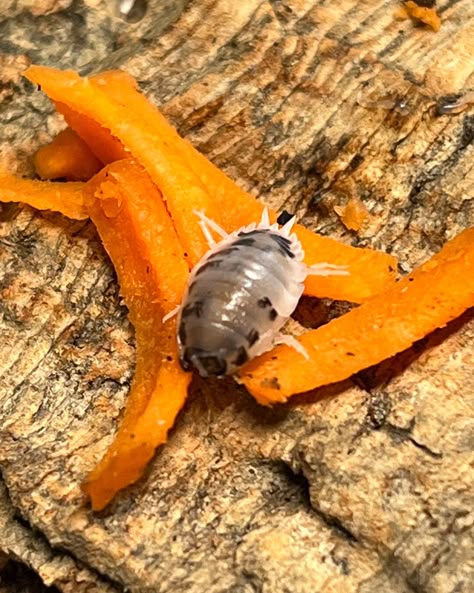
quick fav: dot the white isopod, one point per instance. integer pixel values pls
(241, 294)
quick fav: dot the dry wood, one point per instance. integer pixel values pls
(362, 487)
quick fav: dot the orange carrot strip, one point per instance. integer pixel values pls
(100, 141)
(66, 156)
(430, 297)
(106, 147)
(66, 198)
(188, 181)
(134, 226)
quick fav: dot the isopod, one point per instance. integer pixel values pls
(240, 295)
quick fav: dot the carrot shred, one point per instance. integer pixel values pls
(430, 297)
(425, 14)
(353, 214)
(111, 104)
(102, 144)
(66, 198)
(67, 156)
(134, 226)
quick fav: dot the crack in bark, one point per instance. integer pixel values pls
(41, 544)
(337, 525)
(405, 434)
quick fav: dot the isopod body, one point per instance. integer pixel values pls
(240, 295)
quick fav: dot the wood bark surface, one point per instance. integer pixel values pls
(362, 487)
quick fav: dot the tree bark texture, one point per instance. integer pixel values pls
(362, 487)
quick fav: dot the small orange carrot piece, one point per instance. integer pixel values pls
(66, 198)
(67, 156)
(430, 297)
(353, 214)
(134, 226)
(425, 14)
(189, 182)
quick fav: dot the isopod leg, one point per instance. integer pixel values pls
(171, 314)
(265, 220)
(288, 226)
(292, 342)
(207, 233)
(207, 225)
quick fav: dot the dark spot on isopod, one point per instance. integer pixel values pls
(209, 265)
(264, 302)
(350, 354)
(283, 244)
(273, 314)
(252, 336)
(248, 242)
(223, 252)
(241, 357)
(250, 233)
(247, 238)
(284, 217)
(194, 308)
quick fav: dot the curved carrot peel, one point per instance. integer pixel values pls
(434, 294)
(67, 156)
(134, 226)
(66, 198)
(107, 108)
(102, 144)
